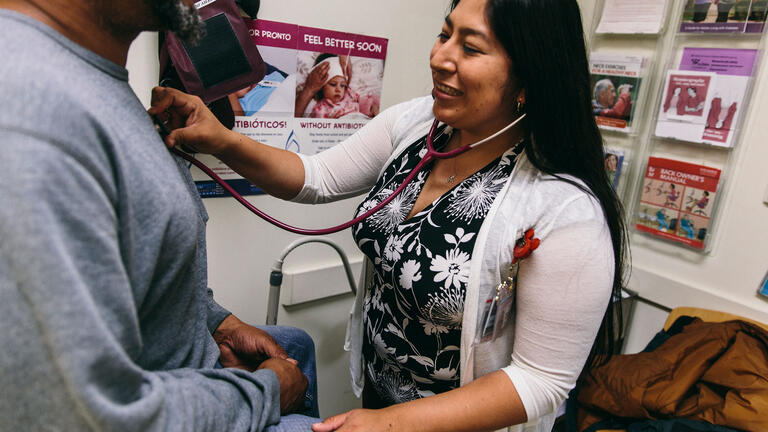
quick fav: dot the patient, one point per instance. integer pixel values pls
(109, 322)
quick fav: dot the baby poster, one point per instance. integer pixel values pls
(320, 87)
(338, 86)
(677, 200)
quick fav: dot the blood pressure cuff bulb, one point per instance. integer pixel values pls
(225, 59)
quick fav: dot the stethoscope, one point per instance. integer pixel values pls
(430, 156)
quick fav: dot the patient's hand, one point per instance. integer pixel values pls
(245, 347)
(293, 383)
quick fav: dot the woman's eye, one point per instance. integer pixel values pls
(443, 36)
(471, 50)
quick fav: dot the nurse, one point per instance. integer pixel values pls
(424, 353)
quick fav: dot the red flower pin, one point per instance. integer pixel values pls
(525, 246)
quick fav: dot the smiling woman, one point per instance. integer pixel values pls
(451, 332)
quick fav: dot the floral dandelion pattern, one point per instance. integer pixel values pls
(414, 305)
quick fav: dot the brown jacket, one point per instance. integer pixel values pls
(714, 372)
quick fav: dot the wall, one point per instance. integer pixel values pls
(242, 247)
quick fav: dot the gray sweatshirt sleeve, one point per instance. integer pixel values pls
(72, 334)
(216, 312)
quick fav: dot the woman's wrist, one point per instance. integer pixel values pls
(231, 145)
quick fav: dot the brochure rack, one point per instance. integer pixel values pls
(691, 107)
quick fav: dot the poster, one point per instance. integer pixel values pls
(724, 16)
(677, 200)
(632, 16)
(615, 84)
(320, 87)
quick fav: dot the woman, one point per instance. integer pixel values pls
(438, 252)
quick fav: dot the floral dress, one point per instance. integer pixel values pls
(414, 306)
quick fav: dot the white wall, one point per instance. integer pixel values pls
(242, 247)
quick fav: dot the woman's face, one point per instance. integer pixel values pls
(335, 88)
(473, 90)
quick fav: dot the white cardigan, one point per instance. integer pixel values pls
(563, 288)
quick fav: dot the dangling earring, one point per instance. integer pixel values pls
(520, 106)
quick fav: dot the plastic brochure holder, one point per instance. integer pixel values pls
(646, 46)
(687, 48)
(664, 52)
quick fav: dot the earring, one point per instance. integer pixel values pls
(520, 105)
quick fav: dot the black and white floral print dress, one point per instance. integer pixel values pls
(414, 306)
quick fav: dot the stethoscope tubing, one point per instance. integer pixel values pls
(430, 156)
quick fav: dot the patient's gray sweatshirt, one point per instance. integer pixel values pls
(105, 318)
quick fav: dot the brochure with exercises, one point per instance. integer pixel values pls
(615, 86)
(676, 201)
(729, 71)
(724, 16)
(614, 160)
(632, 16)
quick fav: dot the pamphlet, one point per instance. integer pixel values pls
(724, 103)
(632, 16)
(614, 165)
(724, 16)
(764, 287)
(676, 201)
(615, 86)
(273, 112)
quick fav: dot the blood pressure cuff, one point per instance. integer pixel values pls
(224, 61)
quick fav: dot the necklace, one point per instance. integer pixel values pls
(516, 149)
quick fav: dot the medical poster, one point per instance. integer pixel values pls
(320, 87)
(615, 84)
(677, 200)
(632, 16)
(724, 16)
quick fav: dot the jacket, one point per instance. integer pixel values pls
(711, 372)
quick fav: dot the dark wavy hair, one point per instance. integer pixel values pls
(545, 43)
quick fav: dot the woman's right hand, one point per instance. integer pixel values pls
(191, 123)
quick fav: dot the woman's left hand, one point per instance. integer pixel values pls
(357, 420)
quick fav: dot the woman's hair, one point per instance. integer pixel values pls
(545, 43)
